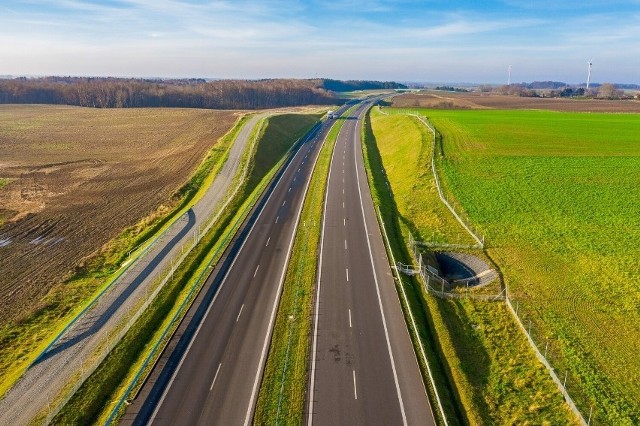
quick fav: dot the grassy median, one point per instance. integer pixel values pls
(95, 400)
(282, 393)
(485, 367)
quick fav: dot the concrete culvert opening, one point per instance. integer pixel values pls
(464, 269)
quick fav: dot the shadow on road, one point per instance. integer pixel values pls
(115, 305)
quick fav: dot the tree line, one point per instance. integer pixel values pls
(599, 90)
(106, 92)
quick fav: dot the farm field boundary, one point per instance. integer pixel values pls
(513, 311)
(438, 152)
(195, 274)
(24, 342)
(556, 194)
(138, 301)
(282, 391)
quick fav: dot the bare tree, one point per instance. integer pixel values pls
(609, 91)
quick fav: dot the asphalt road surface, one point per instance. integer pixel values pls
(363, 368)
(211, 371)
(47, 376)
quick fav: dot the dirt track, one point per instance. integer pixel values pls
(45, 378)
(78, 177)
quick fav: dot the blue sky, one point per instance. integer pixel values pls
(431, 40)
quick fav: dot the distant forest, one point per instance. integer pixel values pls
(106, 92)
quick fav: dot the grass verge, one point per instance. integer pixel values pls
(110, 382)
(282, 392)
(557, 195)
(484, 363)
(22, 342)
(383, 198)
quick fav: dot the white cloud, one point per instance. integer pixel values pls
(277, 38)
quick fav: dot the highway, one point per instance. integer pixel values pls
(210, 372)
(70, 352)
(363, 367)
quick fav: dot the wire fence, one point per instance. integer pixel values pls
(139, 300)
(151, 356)
(545, 348)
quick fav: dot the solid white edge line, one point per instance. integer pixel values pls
(375, 275)
(224, 279)
(413, 323)
(317, 307)
(215, 376)
(274, 310)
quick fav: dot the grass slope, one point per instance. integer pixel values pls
(92, 403)
(557, 196)
(489, 368)
(21, 342)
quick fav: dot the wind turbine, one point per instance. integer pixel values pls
(509, 78)
(589, 73)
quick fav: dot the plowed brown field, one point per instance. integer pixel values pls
(451, 100)
(78, 177)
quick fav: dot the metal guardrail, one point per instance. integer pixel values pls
(504, 295)
(162, 277)
(413, 321)
(205, 270)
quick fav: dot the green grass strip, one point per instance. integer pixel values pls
(423, 335)
(121, 373)
(30, 339)
(283, 389)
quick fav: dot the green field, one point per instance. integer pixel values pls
(485, 363)
(557, 195)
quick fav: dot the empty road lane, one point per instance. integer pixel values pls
(363, 367)
(211, 372)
